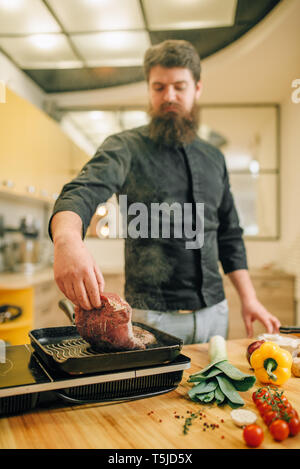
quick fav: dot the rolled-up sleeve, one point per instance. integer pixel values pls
(99, 179)
(232, 251)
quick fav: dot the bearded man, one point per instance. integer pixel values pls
(170, 287)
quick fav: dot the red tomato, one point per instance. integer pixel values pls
(263, 408)
(285, 407)
(292, 413)
(282, 399)
(253, 435)
(257, 395)
(294, 426)
(279, 430)
(270, 416)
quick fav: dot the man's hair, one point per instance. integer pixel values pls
(173, 53)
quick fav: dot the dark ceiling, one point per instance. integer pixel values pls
(206, 41)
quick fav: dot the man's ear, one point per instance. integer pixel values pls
(199, 87)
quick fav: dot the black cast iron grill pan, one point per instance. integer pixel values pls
(63, 349)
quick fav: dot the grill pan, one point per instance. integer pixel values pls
(63, 349)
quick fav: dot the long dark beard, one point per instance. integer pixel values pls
(172, 128)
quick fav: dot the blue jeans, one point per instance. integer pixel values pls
(193, 328)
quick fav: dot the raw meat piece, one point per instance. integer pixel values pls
(110, 326)
(146, 337)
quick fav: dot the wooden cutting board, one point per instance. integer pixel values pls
(154, 423)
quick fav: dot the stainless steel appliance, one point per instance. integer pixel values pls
(22, 249)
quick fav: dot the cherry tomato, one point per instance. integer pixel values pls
(270, 416)
(292, 413)
(294, 426)
(258, 395)
(263, 408)
(253, 435)
(282, 399)
(285, 407)
(279, 430)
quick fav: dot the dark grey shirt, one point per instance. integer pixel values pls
(160, 273)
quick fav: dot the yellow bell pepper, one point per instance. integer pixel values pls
(271, 363)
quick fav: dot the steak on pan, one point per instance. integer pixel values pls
(110, 328)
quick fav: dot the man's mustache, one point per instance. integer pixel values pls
(170, 104)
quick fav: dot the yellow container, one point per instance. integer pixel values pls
(15, 332)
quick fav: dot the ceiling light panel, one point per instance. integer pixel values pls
(169, 15)
(112, 49)
(26, 17)
(40, 51)
(98, 15)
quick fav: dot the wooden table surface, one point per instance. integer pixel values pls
(128, 425)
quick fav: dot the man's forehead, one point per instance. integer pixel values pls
(159, 74)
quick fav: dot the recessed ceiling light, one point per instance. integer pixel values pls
(41, 51)
(112, 49)
(11, 4)
(44, 41)
(26, 17)
(98, 15)
(189, 14)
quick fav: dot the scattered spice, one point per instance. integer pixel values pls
(205, 426)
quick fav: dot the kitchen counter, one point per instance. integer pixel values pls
(20, 280)
(146, 423)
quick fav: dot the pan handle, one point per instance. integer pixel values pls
(71, 400)
(67, 307)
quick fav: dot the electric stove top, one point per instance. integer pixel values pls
(26, 382)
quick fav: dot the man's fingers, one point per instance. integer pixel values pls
(61, 286)
(276, 325)
(93, 290)
(81, 296)
(249, 327)
(69, 292)
(100, 278)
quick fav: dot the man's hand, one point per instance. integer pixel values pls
(253, 310)
(75, 271)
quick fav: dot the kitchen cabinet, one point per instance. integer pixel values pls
(15, 331)
(38, 295)
(37, 156)
(274, 289)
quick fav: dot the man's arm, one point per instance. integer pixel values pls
(75, 271)
(252, 309)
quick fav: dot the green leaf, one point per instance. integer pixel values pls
(219, 395)
(203, 388)
(245, 384)
(235, 374)
(205, 370)
(200, 377)
(229, 390)
(207, 397)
